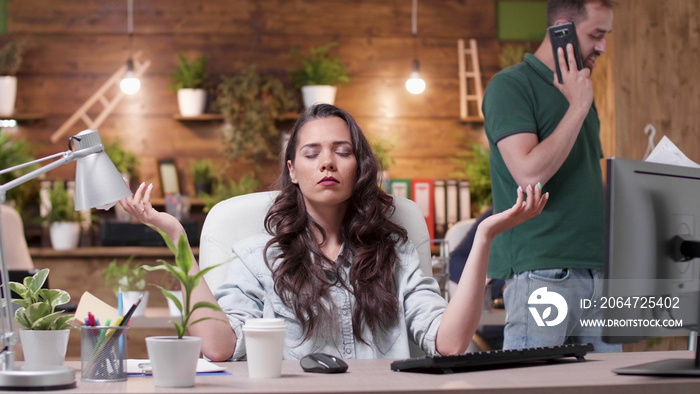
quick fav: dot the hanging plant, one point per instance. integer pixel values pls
(251, 104)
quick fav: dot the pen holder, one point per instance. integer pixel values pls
(103, 353)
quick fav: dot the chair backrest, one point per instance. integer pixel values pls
(241, 216)
(456, 233)
(14, 244)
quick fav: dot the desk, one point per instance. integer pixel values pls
(594, 376)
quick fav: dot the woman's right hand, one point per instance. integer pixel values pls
(139, 206)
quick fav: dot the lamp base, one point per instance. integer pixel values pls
(34, 378)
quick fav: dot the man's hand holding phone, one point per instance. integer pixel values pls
(576, 85)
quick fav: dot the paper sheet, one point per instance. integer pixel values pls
(666, 152)
(99, 308)
(132, 366)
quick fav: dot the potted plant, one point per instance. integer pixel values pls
(10, 60)
(202, 171)
(190, 80)
(475, 167)
(128, 280)
(128, 165)
(45, 331)
(63, 219)
(251, 104)
(230, 188)
(185, 349)
(15, 151)
(319, 74)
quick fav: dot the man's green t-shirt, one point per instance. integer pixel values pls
(569, 232)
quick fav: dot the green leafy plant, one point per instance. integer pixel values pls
(475, 167)
(511, 55)
(319, 68)
(230, 188)
(62, 205)
(11, 57)
(125, 277)
(14, 152)
(382, 148)
(202, 170)
(180, 271)
(125, 161)
(251, 104)
(190, 75)
(37, 306)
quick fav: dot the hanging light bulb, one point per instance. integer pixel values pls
(415, 84)
(129, 83)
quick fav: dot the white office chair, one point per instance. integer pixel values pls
(241, 216)
(14, 244)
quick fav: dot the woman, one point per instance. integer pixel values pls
(343, 276)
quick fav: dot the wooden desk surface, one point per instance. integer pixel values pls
(593, 376)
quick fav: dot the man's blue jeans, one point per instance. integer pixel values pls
(532, 321)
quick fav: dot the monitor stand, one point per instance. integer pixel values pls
(672, 367)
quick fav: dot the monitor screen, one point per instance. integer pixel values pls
(652, 285)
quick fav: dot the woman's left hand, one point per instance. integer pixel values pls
(139, 206)
(523, 210)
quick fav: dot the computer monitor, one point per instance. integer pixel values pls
(652, 285)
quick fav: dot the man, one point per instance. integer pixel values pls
(546, 134)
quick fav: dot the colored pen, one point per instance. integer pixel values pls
(131, 311)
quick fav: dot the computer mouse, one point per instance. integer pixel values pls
(322, 363)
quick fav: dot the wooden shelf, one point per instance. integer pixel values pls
(194, 201)
(471, 119)
(199, 118)
(24, 117)
(219, 117)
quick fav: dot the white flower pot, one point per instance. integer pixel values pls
(191, 101)
(64, 235)
(8, 94)
(171, 305)
(313, 94)
(174, 361)
(129, 298)
(44, 347)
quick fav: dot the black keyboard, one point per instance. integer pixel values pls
(491, 359)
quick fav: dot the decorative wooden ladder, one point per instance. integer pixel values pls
(471, 91)
(100, 96)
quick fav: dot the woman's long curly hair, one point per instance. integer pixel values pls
(302, 278)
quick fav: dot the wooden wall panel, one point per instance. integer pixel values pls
(657, 52)
(75, 45)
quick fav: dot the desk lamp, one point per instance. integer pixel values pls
(98, 184)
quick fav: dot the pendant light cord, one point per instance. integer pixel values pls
(130, 24)
(414, 19)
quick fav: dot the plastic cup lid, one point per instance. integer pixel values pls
(264, 324)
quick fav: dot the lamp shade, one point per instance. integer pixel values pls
(98, 183)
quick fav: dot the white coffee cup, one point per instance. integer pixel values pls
(264, 342)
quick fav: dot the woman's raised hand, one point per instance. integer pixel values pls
(523, 210)
(139, 206)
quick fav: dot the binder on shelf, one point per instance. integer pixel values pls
(422, 192)
(465, 201)
(400, 187)
(452, 195)
(440, 208)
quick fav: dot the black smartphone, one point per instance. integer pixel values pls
(560, 36)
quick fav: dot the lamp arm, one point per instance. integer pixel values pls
(66, 157)
(29, 163)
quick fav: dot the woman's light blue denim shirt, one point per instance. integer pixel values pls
(248, 292)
